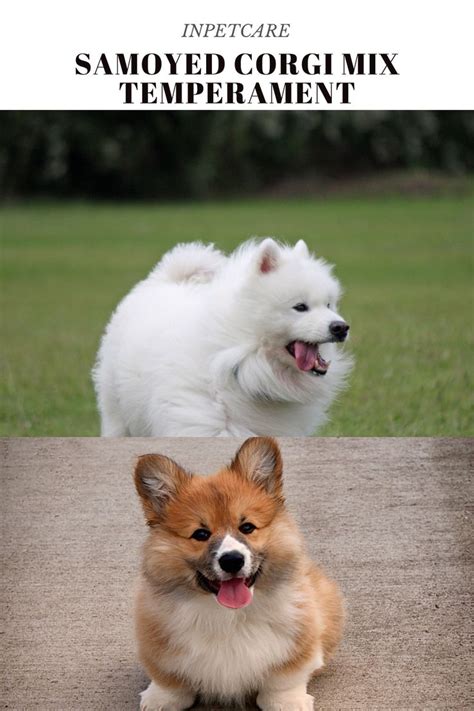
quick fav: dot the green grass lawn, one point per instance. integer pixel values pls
(406, 265)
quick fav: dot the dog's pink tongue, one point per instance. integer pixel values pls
(306, 355)
(234, 593)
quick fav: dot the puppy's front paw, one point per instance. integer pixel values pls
(156, 698)
(285, 702)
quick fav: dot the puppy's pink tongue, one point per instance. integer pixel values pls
(234, 593)
(306, 355)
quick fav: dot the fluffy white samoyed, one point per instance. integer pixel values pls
(212, 345)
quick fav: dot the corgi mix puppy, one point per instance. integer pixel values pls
(229, 604)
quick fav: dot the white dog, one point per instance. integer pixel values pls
(209, 345)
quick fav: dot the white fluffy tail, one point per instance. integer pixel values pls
(191, 262)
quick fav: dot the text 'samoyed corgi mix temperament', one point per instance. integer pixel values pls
(229, 603)
(210, 345)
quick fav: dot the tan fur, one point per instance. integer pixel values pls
(294, 621)
(151, 640)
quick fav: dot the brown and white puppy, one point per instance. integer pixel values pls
(229, 603)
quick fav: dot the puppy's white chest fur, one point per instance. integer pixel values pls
(228, 653)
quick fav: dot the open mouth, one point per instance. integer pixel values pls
(307, 357)
(233, 593)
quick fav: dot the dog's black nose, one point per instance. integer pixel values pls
(231, 562)
(339, 330)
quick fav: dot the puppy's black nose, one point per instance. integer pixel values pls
(231, 562)
(339, 330)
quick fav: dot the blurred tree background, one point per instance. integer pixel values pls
(201, 154)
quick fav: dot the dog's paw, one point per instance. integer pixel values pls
(156, 698)
(285, 702)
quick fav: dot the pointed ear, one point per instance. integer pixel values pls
(301, 248)
(259, 460)
(268, 256)
(157, 480)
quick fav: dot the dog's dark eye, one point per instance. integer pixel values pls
(329, 306)
(247, 528)
(201, 534)
(301, 307)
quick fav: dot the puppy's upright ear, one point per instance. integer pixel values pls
(158, 479)
(268, 256)
(301, 248)
(259, 460)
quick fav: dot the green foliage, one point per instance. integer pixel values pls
(406, 266)
(166, 154)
